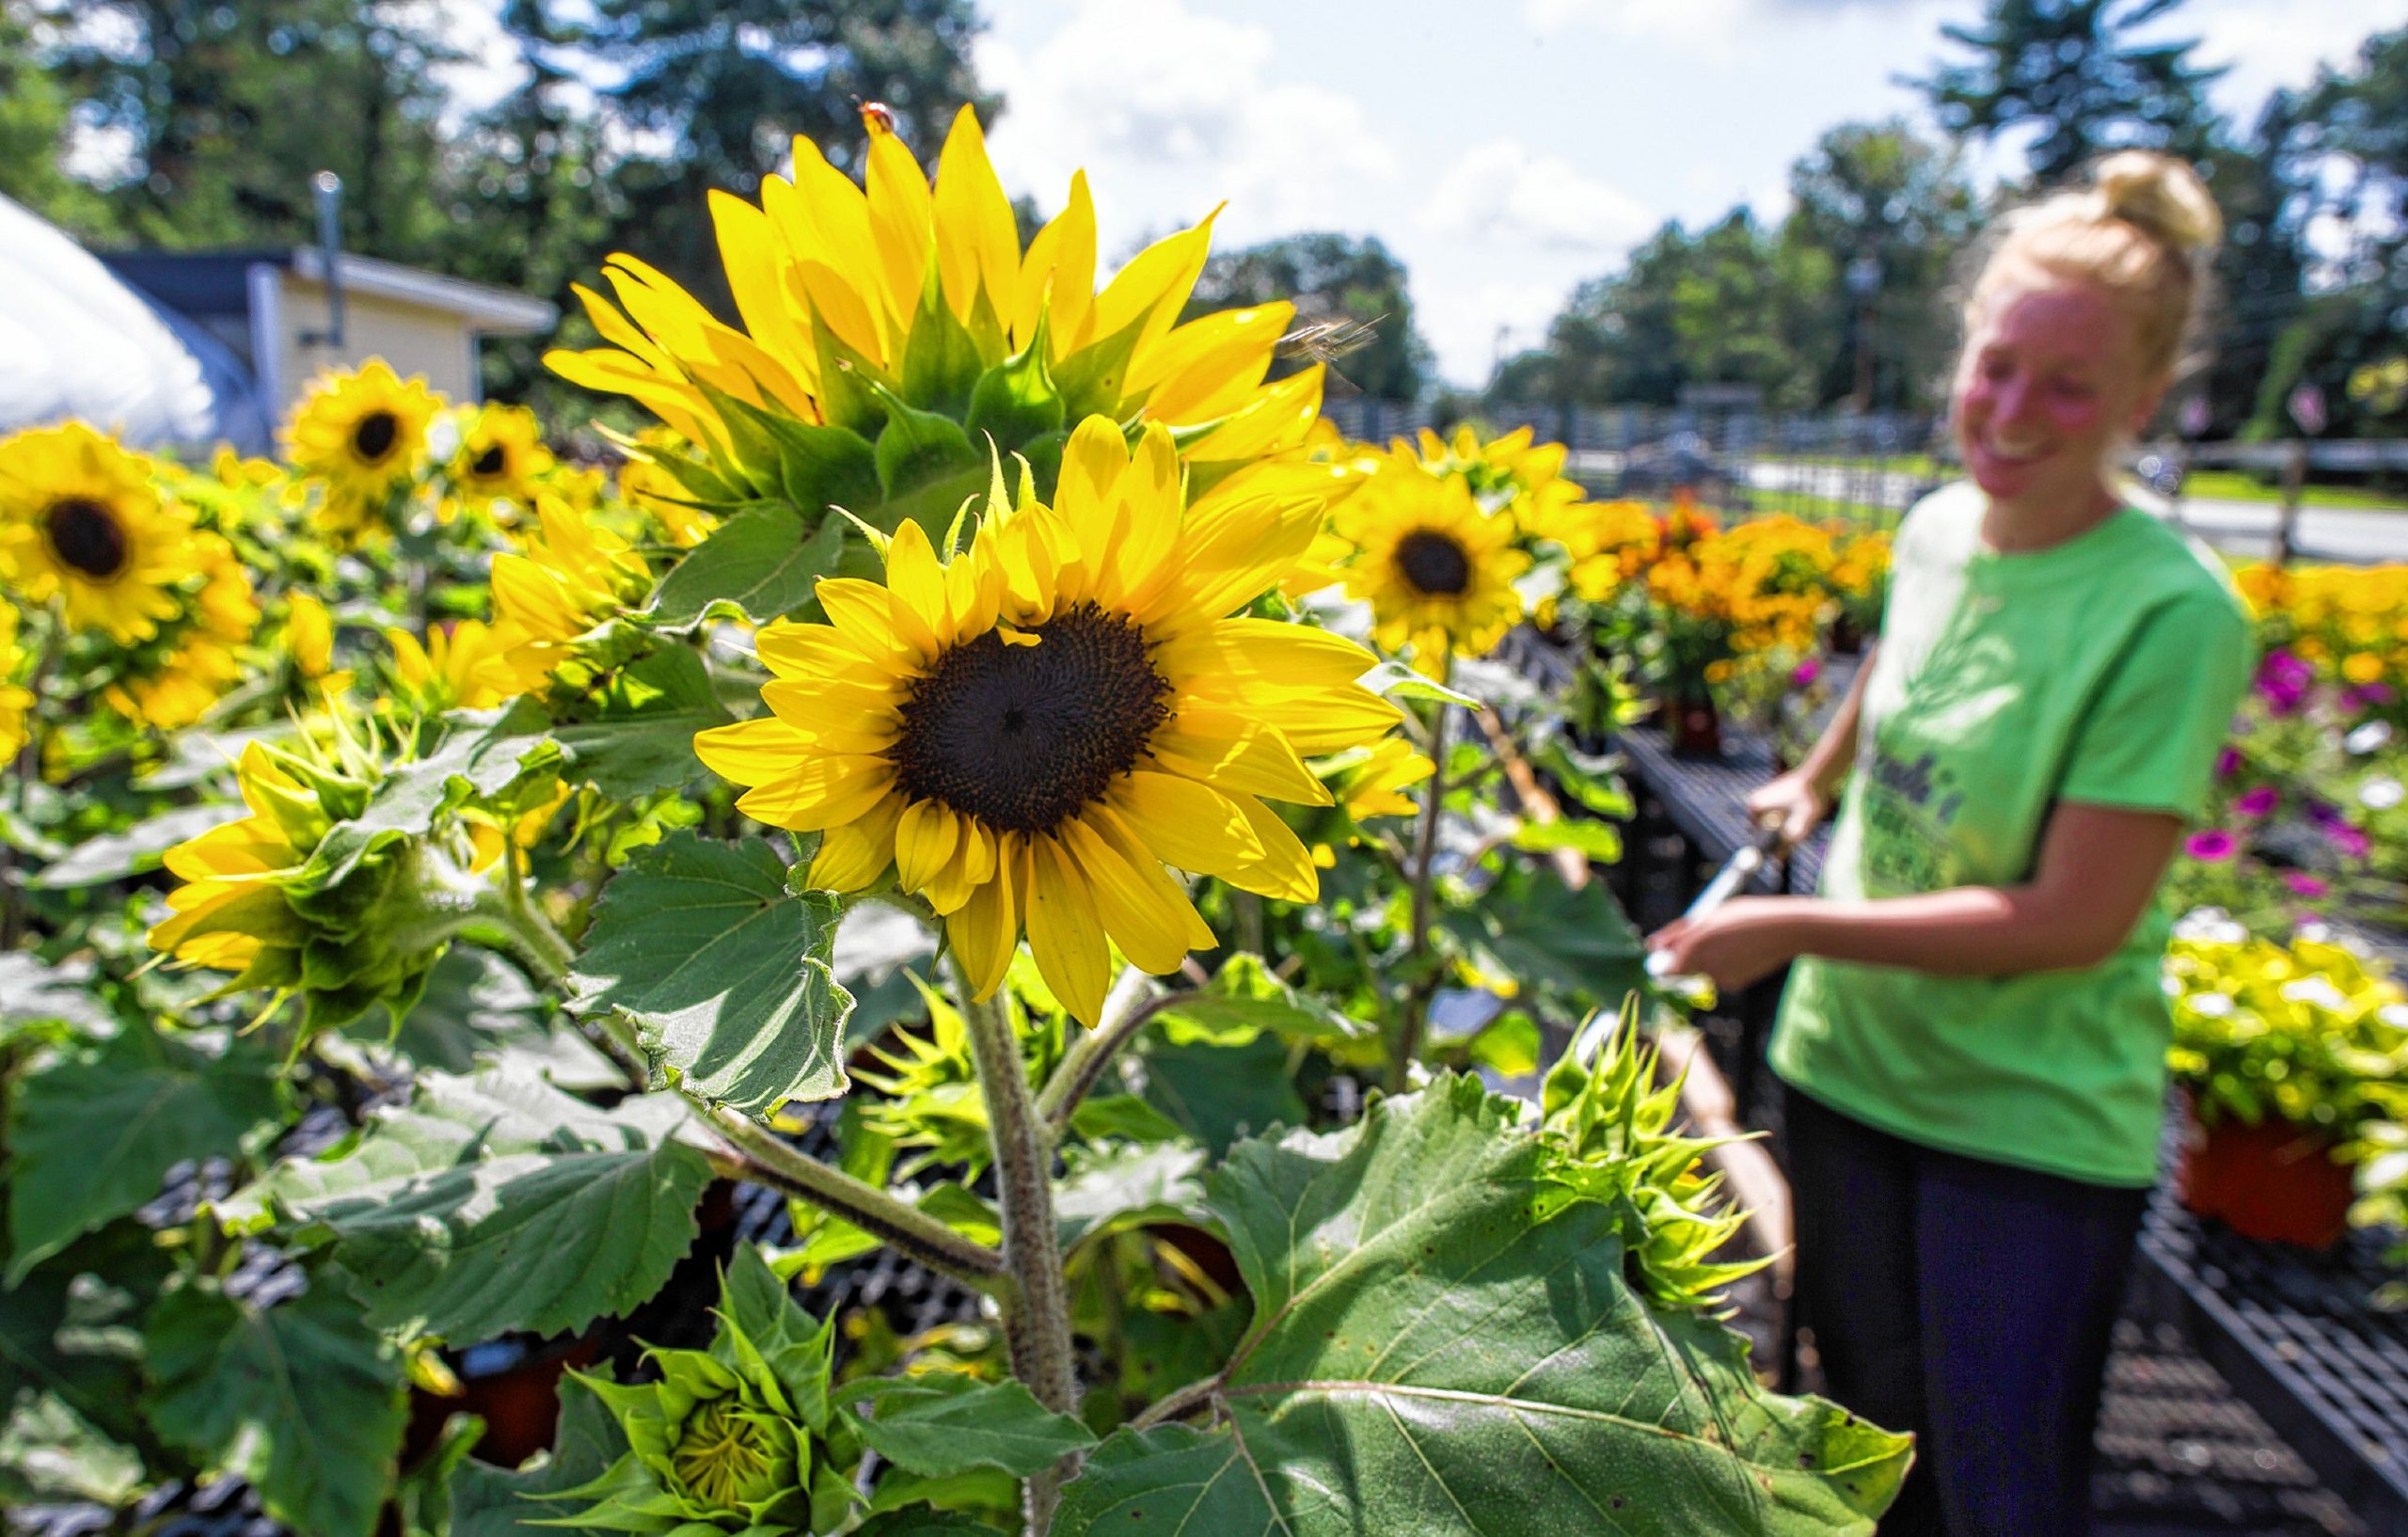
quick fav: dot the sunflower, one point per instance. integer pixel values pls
(14, 699)
(444, 672)
(361, 433)
(81, 519)
(1029, 730)
(201, 661)
(865, 308)
(1437, 570)
(572, 577)
(644, 482)
(501, 457)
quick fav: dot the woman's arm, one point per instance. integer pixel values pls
(1798, 801)
(2098, 869)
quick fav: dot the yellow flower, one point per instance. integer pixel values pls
(572, 577)
(361, 433)
(645, 483)
(15, 700)
(447, 672)
(1029, 731)
(2362, 667)
(1372, 783)
(834, 282)
(309, 635)
(1436, 569)
(202, 662)
(230, 906)
(81, 520)
(501, 457)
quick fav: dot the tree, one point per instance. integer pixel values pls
(228, 111)
(2077, 72)
(711, 93)
(1883, 192)
(1332, 279)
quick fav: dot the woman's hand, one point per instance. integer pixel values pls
(1744, 941)
(1791, 802)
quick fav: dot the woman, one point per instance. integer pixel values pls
(1973, 1039)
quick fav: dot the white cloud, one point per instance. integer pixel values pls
(1705, 26)
(2268, 46)
(1476, 325)
(1504, 190)
(1169, 111)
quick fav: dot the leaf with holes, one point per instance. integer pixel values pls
(1444, 1346)
(498, 1202)
(725, 974)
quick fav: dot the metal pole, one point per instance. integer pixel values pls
(330, 194)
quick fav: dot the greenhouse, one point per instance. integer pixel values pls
(713, 838)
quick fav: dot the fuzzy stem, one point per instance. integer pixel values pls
(1126, 1011)
(763, 1157)
(505, 920)
(1179, 1405)
(1421, 982)
(1036, 1320)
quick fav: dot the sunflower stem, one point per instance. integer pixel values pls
(1127, 1009)
(1421, 982)
(1037, 1319)
(503, 919)
(763, 1157)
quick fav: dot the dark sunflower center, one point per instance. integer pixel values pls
(372, 437)
(86, 535)
(1433, 563)
(489, 462)
(1021, 737)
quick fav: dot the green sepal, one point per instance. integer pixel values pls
(917, 448)
(942, 357)
(1015, 402)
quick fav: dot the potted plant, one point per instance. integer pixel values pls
(2275, 1048)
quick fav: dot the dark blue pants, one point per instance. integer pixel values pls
(1968, 1303)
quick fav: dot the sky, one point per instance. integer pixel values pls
(1503, 152)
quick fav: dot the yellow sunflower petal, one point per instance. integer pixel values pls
(1066, 933)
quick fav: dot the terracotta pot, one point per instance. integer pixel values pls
(1697, 730)
(2273, 1181)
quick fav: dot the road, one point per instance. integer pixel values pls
(2354, 535)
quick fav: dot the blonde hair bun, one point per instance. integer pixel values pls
(2161, 196)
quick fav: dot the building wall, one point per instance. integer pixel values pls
(411, 338)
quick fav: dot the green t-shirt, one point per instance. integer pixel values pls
(2104, 670)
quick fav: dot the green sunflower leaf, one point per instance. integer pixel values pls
(726, 975)
(49, 1451)
(1444, 1345)
(763, 560)
(498, 1202)
(1218, 1094)
(488, 1501)
(1540, 932)
(142, 846)
(302, 1398)
(1245, 999)
(1112, 1189)
(937, 1424)
(33, 993)
(1591, 840)
(482, 754)
(637, 736)
(92, 1135)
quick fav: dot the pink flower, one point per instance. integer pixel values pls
(1806, 673)
(2214, 843)
(2349, 840)
(2227, 763)
(2304, 884)
(2258, 802)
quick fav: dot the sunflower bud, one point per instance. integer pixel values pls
(263, 898)
(735, 1438)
